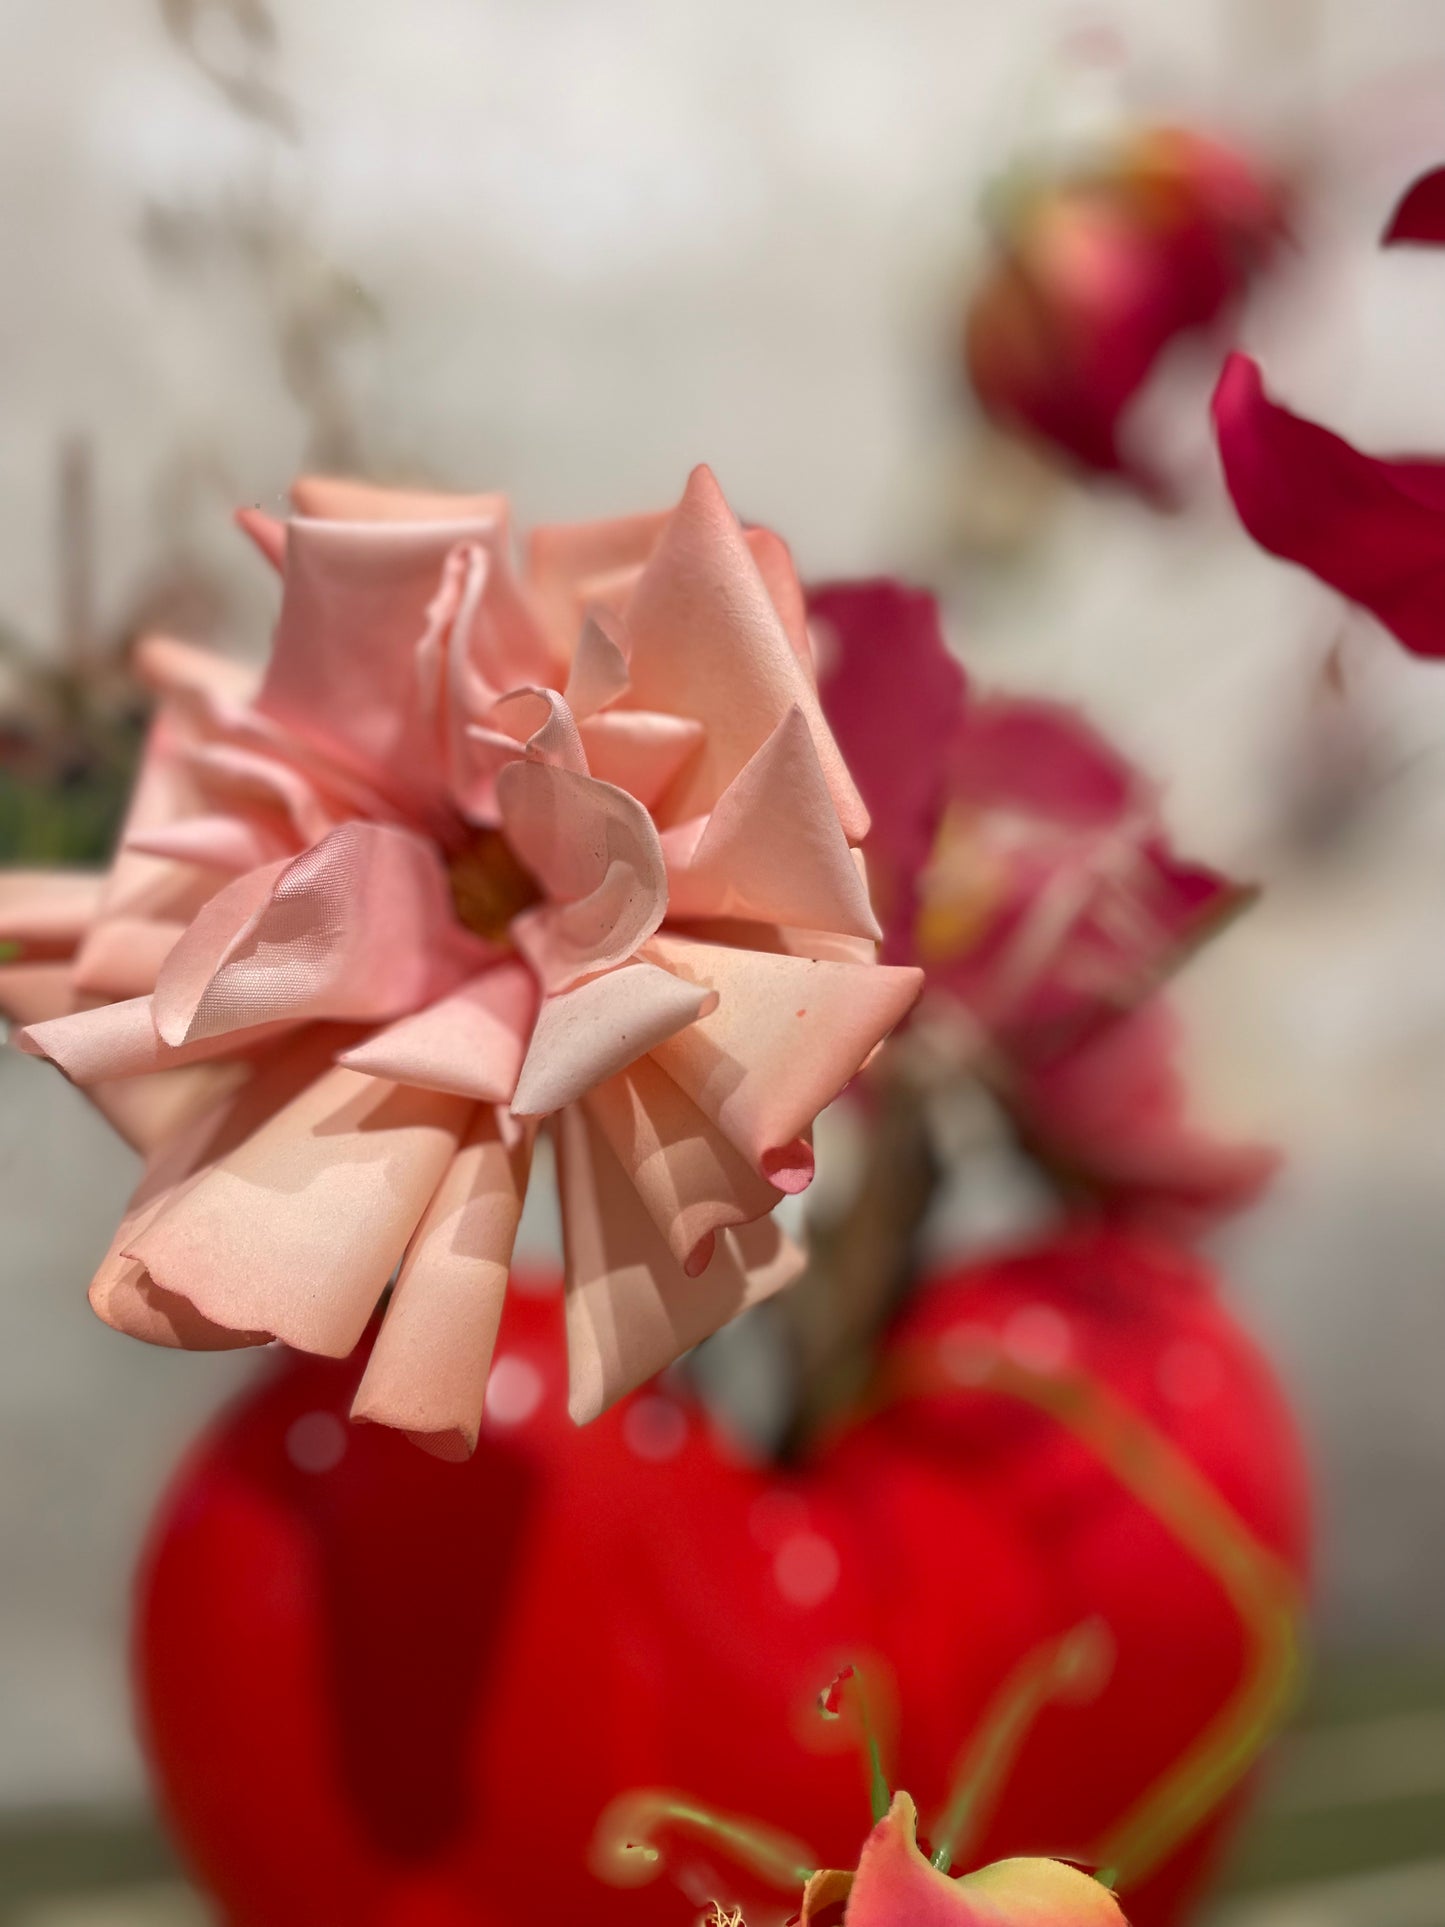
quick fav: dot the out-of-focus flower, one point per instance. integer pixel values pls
(1024, 863)
(895, 1886)
(1097, 271)
(477, 850)
(1371, 527)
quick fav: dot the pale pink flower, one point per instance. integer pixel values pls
(479, 849)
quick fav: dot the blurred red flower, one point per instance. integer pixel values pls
(1096, 272)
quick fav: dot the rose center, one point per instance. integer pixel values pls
(490, 886)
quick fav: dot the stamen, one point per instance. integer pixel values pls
(848, 1689)
(1069, 1668)
(627, 1848)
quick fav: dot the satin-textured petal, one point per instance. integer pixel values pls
(296, 1231)
(359, 927)
(123, 1294)
(640, 750)
(471, 1043)
(595, 851)
(631, 1309)
(787, 1035)
(120, 1040)
(427, 1374)
(343, 671)
(692, 1181)
(586, 1035)
(736, 671)
(772, 849)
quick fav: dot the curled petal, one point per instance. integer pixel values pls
(1373, 530)
(427, 1374)
(772, 849)
(692, 1182)
(595, 851)
(121, 1040)
(359, 927)
(586, 1035)
(471, 1043)
(738, 674)
(631, 1309)
(787, 1035)
(543, 724)
(296, 1230)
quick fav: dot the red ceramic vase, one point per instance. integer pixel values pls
(387, 1692)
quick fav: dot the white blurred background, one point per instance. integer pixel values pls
(570, 247)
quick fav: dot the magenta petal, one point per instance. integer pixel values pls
(1419, 217)
(893, 696)
(1374, 530)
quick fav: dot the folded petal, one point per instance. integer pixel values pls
(427, 1374)
(361, 927)
(1419, 218)
(296, 1230)
(564, 558)
(631, 1309)
(123, 1294)
(780, 578)
(598, 675)
(595, 851)
(267, 532)
(1373, 530)
(343, 672)
(586, 1035)
(544, 725)
(706, 642)
(121, 1040)
(773, 850)
(692, 1182)
(640, 750)
(471, 1043)
(787, 1035)
(47, 909)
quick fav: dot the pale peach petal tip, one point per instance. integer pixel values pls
(894, 1884)
(482, 846)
